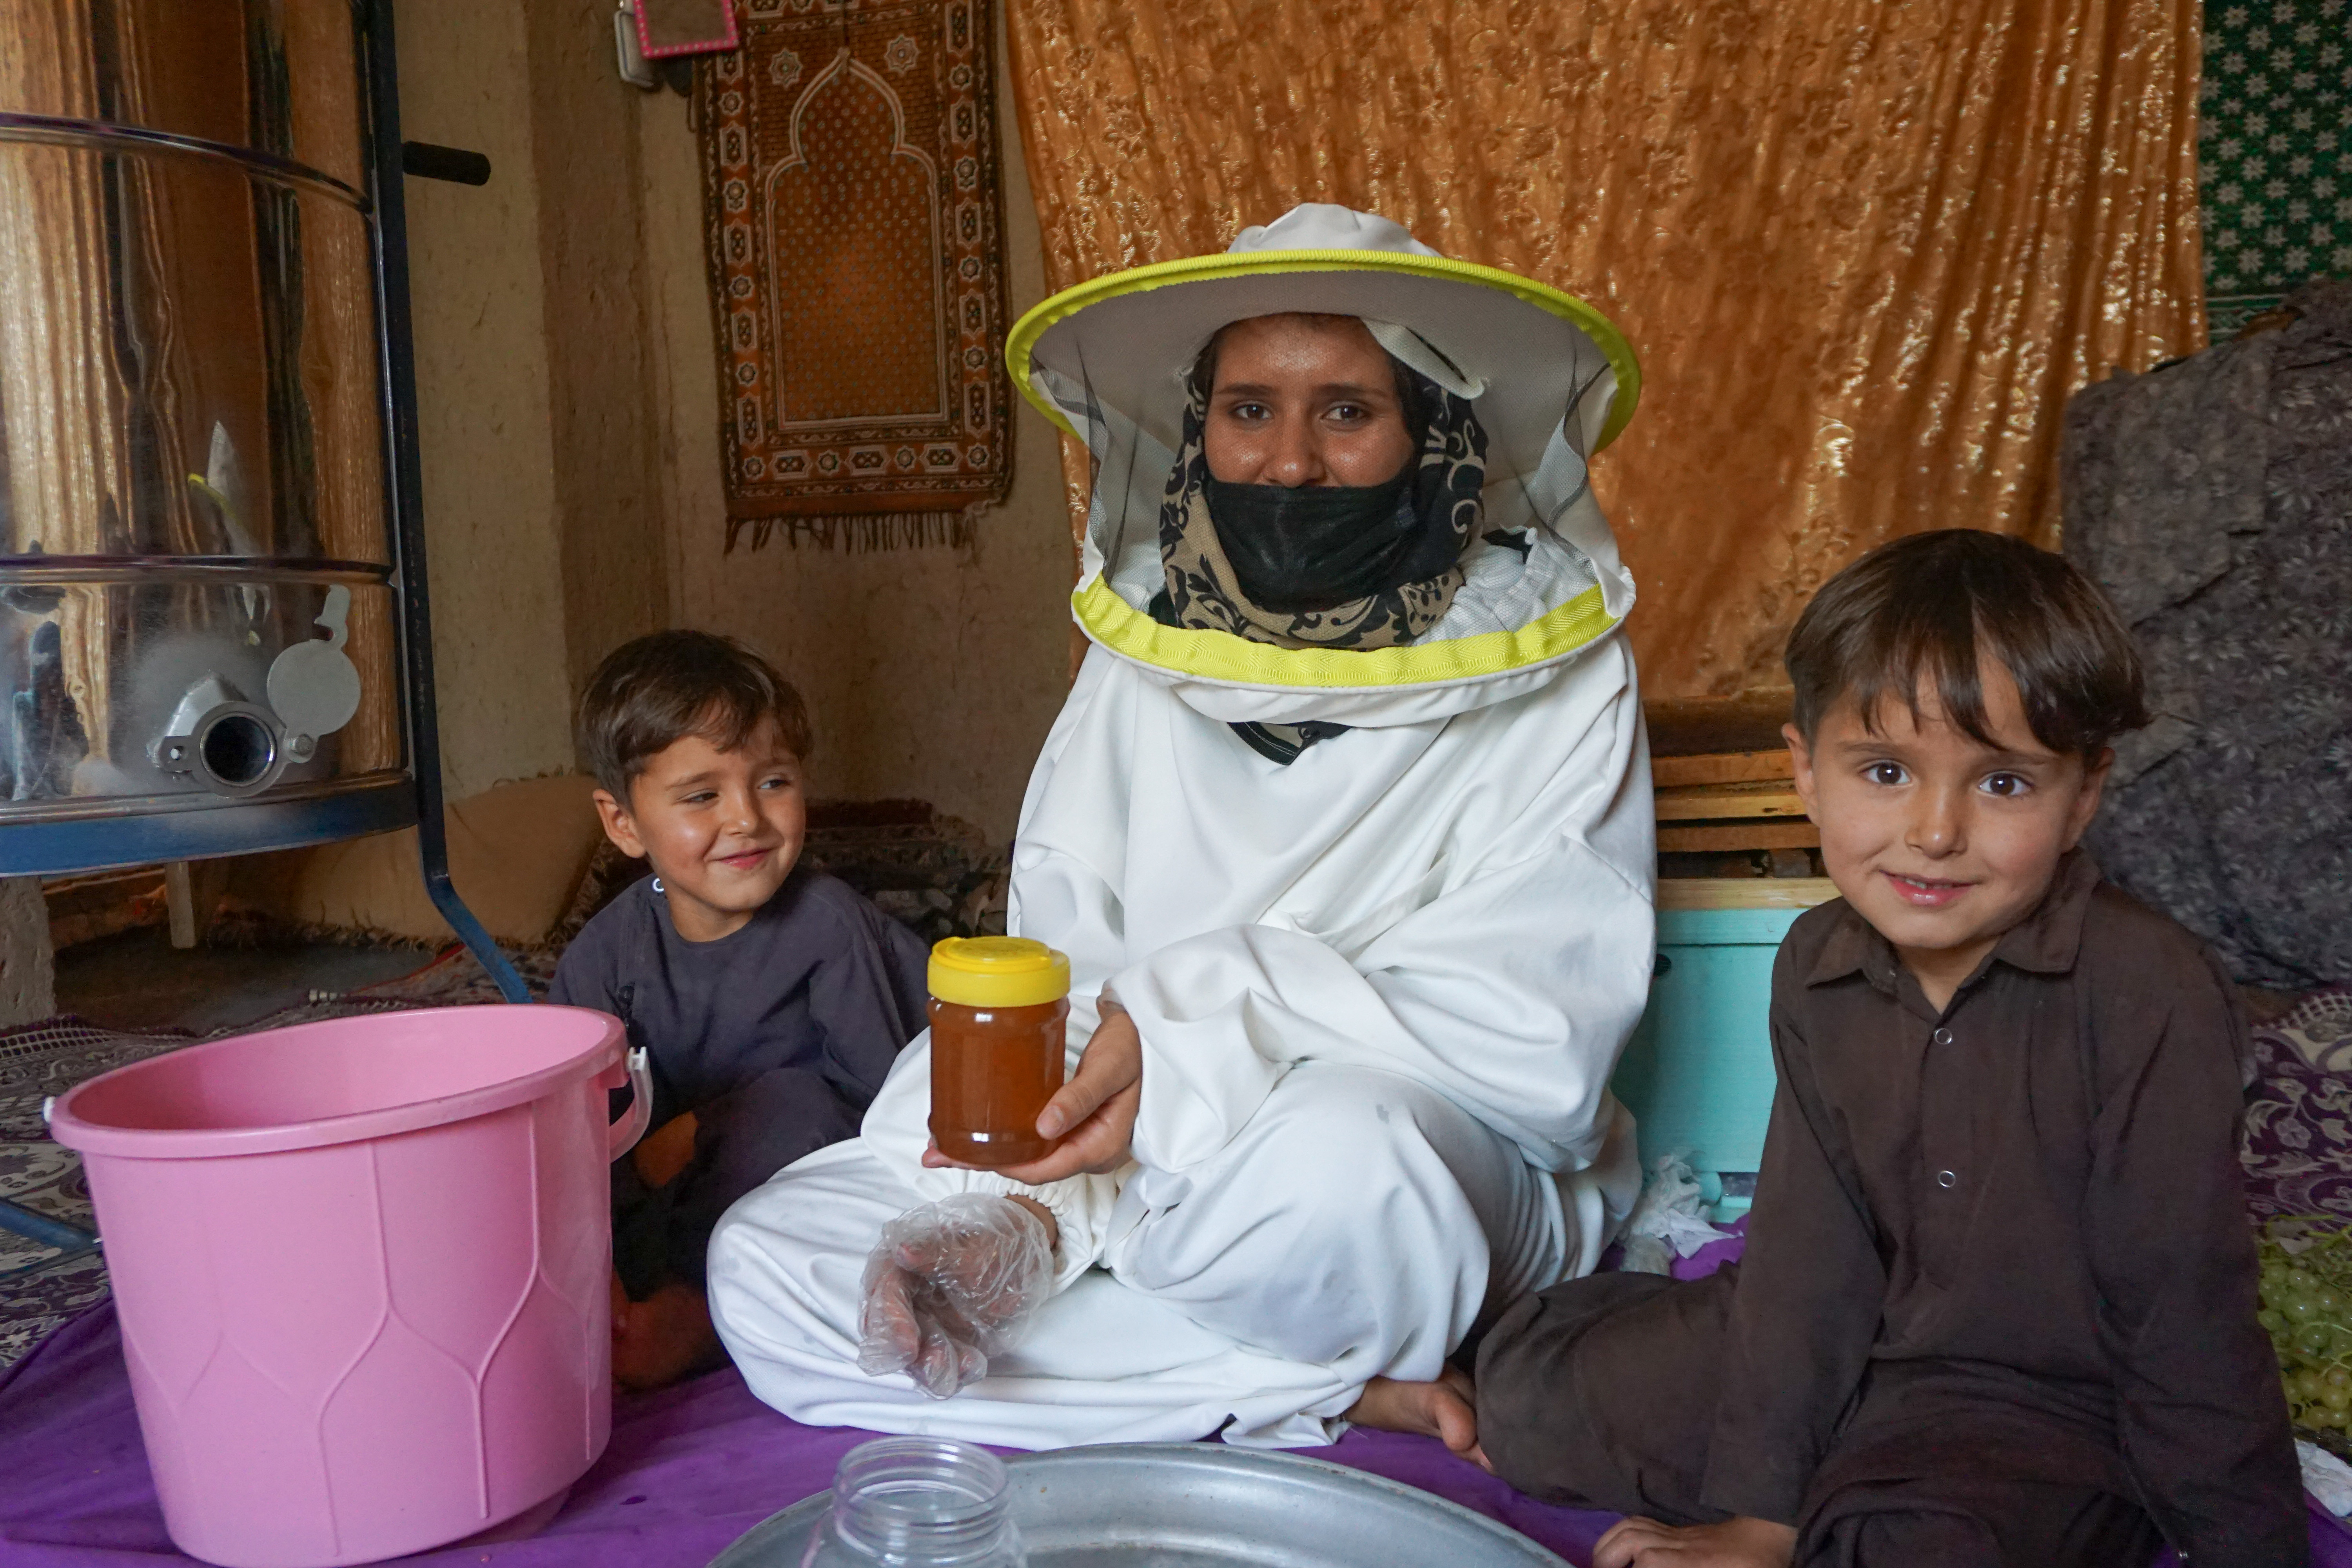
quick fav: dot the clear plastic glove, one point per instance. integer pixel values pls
(950, 1285)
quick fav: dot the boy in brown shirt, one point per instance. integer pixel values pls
(1999, 1295)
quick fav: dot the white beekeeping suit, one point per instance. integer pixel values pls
(1379, 989)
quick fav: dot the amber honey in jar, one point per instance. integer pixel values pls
(999, 1017)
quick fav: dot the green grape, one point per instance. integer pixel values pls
(2307, 1311)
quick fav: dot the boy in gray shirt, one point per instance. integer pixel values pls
(771, 999)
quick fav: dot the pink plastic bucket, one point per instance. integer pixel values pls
(362, 1273)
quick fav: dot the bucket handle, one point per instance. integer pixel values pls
(622, 1136)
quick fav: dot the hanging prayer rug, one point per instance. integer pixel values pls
(856, 269)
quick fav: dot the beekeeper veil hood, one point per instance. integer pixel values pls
(1538, 377)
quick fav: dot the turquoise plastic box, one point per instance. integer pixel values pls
(1697, 1075)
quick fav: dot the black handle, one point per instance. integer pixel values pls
(430, 161)
(1663, 965)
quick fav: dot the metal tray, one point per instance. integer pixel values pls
(1191, 1505)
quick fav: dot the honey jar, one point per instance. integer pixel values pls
(1000, 1021)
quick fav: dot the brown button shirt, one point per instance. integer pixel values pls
(2027, 1207)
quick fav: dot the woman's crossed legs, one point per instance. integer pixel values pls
(1355, 1227)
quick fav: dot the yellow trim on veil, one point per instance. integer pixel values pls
(1223, 657)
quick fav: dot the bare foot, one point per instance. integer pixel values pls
(1446, 1410)
(663, 1338)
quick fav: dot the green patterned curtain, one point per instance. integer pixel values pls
(2275, 152)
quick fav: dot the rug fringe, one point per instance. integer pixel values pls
(860, 532)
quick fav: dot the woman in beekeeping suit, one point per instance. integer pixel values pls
(1346, 830)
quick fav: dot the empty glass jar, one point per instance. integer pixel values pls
(918, 1503)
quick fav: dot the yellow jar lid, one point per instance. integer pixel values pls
(998, 972)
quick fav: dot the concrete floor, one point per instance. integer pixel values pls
(138, 980)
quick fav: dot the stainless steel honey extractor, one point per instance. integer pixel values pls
(213, 605)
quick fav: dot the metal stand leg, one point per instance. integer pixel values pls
(432, 842)
(71, 1239)
(407, 490)
(40, 1227)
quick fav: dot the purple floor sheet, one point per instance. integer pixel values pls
(688, 1470)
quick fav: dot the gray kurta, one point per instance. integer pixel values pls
(776, 1037)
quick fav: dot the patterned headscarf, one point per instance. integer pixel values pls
(1204, 594)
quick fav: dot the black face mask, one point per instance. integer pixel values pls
(1314, 547)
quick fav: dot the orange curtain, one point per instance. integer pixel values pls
(1865, 248)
